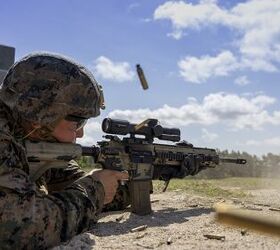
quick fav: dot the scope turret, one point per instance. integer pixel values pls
(150, 128)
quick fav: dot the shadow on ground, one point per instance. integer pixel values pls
(159, 218)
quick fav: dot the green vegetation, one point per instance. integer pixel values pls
(248, 183)
(210, 188)
(266, 166)
(85, 162)
(226, 188)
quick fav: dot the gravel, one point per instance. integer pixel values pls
(180, 221)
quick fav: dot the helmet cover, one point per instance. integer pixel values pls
(45, 87)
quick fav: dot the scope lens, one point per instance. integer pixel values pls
(106, 125)
(158, 130)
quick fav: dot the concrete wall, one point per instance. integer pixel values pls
(2, 75)
(7, 58)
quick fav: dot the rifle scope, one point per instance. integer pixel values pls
(150, 128)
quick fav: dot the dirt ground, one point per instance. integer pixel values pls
(180, 221)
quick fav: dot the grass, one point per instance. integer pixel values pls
(227, 188)
(200, 187)
(234, 187)
(246, 183)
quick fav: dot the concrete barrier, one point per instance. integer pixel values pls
(7, 58)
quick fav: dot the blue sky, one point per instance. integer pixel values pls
(212, 66)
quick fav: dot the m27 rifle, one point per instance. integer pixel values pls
(137, 154)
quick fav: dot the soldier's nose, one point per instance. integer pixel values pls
(80, 133)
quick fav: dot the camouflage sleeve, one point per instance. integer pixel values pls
(120, 201)
(31, 220)
(58, 179)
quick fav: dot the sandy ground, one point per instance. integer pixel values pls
(180, 221)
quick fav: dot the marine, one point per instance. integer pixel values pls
(48, 97)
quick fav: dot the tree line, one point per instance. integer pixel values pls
(264, 166)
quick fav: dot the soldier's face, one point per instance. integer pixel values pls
(66, 131)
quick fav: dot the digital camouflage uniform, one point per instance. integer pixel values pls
(63, 202)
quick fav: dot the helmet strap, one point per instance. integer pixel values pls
(30, 133)
(41, 132)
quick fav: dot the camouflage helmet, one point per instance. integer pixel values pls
(45, 87)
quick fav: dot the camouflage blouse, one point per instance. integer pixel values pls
(59, 205)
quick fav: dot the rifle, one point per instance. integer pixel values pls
(144, 160)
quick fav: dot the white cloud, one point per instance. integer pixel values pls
(256, 23)
(146, 20)
(236, 112)
(242, 81)
(177, 34)
(171, 116)
(115, 71)
(92, 134)
(93, 126)
(184, 15)
(133, 6)
(208, 136)
(262, 101)
(275, 141)
(198, 70)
